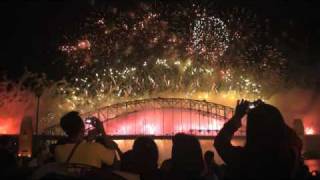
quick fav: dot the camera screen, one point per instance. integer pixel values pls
(251, 106)
(88, 121)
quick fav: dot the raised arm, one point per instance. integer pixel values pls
(222, 142)
(107, 141)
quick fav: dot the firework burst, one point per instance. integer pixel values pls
(142, 53)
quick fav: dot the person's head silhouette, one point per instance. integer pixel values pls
(72, 125)
(265, 127)
(186, 154)
(146, 149)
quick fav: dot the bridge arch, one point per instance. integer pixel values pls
(160, 117)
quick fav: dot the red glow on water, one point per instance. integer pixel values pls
(165, 122)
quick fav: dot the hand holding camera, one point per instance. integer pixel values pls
(96, 123)
(243, 107)
(98, 133)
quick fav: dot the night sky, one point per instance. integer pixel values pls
(31, 30)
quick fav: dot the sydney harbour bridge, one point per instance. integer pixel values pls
(162, 117)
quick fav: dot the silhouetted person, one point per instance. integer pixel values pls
(142, 159)
(86, 153)
(212, 170)
(166, 166)
(186, 160)
(272, 149)
(128, 162)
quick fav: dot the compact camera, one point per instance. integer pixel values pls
(251, 105)
(91, 121)
(254, 104)
(88, 121)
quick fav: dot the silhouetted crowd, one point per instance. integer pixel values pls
(272, 151)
